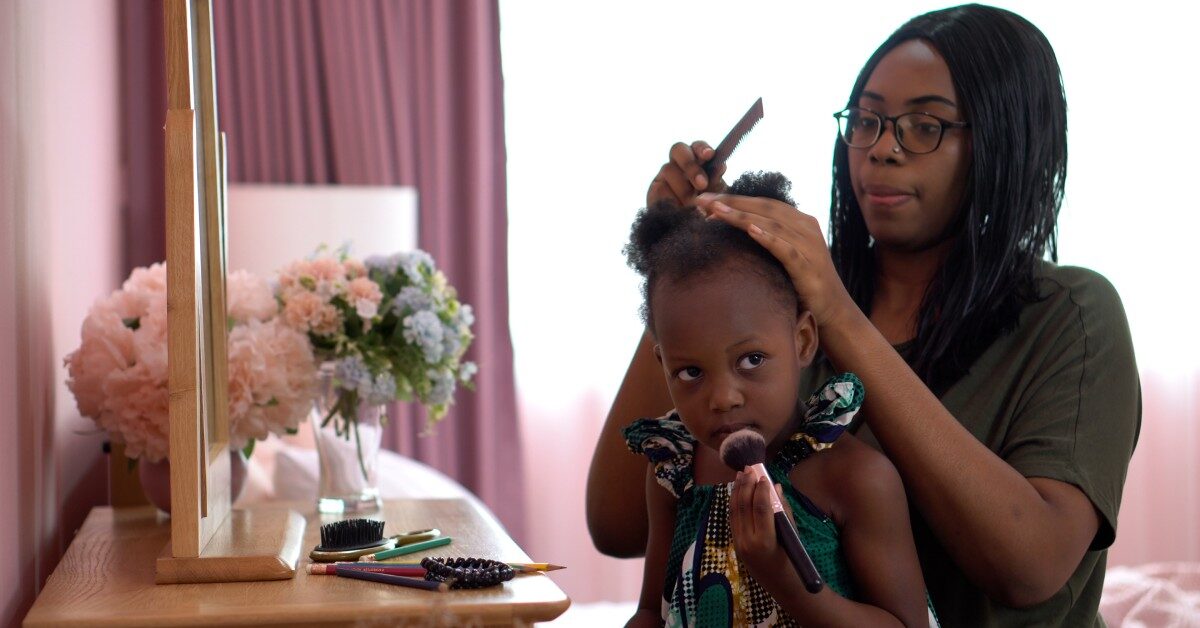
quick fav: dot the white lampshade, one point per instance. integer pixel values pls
(268, 226)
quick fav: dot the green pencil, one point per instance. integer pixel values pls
(407, 549)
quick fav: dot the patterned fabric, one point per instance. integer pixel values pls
(668, 445)
(829, 412)
(706, 585)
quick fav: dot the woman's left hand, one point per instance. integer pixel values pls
(795, 239)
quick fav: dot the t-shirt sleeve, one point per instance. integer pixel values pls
(1079, 416)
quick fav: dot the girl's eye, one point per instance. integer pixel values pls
(751, 361)
(688, 373)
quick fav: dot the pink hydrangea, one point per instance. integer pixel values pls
(250, 297)
(119, 372)
(272, 380)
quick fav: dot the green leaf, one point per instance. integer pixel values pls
(249, 448)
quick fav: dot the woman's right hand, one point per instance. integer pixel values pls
(682, 177)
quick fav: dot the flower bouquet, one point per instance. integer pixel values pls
(119, 372)
(387, 328)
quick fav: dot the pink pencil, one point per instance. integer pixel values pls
(396, 570)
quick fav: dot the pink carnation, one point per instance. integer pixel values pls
(305, 311)
(364, 295)
(354, 268)
(325, 275)
(327, 269)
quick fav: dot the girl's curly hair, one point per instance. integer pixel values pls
(674, 244)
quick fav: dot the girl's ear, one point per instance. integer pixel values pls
(806, 338)
(658, 353)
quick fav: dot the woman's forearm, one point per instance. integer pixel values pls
(1018, 539)
(616, 504)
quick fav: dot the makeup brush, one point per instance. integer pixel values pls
(745, 450)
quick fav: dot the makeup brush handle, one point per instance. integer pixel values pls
(790, 541)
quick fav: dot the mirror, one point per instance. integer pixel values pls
(210, 542)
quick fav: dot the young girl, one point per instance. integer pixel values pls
(733, 341)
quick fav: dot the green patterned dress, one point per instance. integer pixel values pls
(706, 585)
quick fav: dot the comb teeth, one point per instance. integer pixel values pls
(350, 534)
(735, 137)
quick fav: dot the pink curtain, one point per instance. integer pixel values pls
(387, 92)
(143, 115)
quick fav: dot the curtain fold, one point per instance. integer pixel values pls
(390, 92)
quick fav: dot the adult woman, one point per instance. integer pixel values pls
(1001, 386)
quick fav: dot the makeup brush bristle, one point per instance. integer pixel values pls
(350, 534)
(742, 449)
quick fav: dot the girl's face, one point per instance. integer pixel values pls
(909, 201)
(731, 353)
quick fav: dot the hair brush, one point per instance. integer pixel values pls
(745, 448)
(351, 538)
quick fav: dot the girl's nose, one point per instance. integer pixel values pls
(725, 395)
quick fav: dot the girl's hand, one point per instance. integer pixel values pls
(752, 525)
(796, 240)
(682, 177)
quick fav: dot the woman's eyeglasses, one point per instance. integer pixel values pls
(917, 133)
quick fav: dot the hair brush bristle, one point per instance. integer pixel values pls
(742, 449)
(350, 534)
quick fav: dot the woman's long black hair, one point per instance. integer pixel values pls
(1009, 85)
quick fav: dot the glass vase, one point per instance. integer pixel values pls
(348, 451)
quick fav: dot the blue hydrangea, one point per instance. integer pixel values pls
(425, 329)
(385, 263)
(412, 299)
(412, 263)
(451, 343)
(353, 373)
(383, 390)
(464, 318)
(467, 371)
(443, 384)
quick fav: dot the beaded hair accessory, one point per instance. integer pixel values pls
(467, 573)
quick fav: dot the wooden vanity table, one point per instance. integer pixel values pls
(107, 578)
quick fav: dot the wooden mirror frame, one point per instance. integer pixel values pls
(210, 542)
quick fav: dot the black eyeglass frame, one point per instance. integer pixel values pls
(844, 114)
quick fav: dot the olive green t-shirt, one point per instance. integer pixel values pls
(1057, 397)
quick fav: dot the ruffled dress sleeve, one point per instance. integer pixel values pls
(669, 447)
(829, 412)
